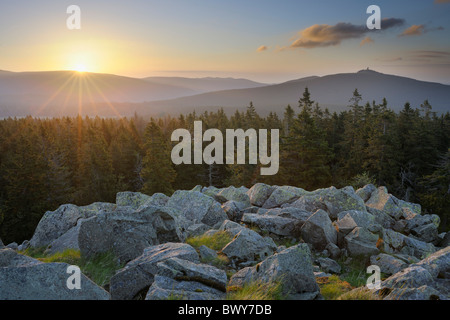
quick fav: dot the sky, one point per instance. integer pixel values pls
(262, 40)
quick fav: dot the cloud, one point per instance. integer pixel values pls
(441, 1)
(389, 59)
(366, 40)
(414, 30)
(418, 30)
(431, 54)
(262, 48)
(387, 23)
(324, 35)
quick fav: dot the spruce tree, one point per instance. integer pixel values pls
(157, 172)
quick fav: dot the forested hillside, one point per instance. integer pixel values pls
(48, 162)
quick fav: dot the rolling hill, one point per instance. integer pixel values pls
(209, 84)
(67, 93)
(332, 91)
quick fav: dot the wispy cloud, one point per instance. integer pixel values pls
(395, 59)
(262, 48)
(366, 40)
(431, 54)
(417, 30)
(414, 30)
(324, 35)
(441, 1)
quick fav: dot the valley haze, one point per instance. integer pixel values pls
(69, 93)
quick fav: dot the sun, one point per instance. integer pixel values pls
(80, 68)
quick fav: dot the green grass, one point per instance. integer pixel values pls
(333, 287)
(256, 290)
(99, 269)
(356, 278)
(221, 261)
(361, 293)
(354, 272)
(287, 242)
(216, 241)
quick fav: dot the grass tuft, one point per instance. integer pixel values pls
(99, 269)
(216, 241)
(333, 287)
(256, 290)
(361, 293)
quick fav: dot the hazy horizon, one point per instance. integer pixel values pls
(265, 42)
(212, 75)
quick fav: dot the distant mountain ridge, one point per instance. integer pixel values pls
(208, 84)
(331, 91)
(68, 93)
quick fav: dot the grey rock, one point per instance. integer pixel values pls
(338, 200)
(414, 276)
(293, 267)
(382, 218)
(231, 227)
(421, 293)
(197, 188)
(387, 263)
(392, 241)
(207, 254)
(417, 248)
(248, 245)
(409, 207)
(425, 280)
(233, 210)
(184, 270)
(196, 207)
(25, 244)
(259, 193)
(282, 195)
(45, 281)
(420, 220)
(139, 273)
(210, 191)
(427, 232)
(445, 242)
(236, 194)
(307, 203)
(274, 224)
(196, 229)
(68, 240)
(1, 244)
(292, 213)
(360, 218)
(126, 232)
(438, 263)
(10, 258)
(131, 199)
(165, 288)
(366, 191)
(321, 274)
(54, 224)
(329, 265)
(361, 242)
(383, 201)
(13, 246)
(96, 207)
(333, 250)
(319, 231)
